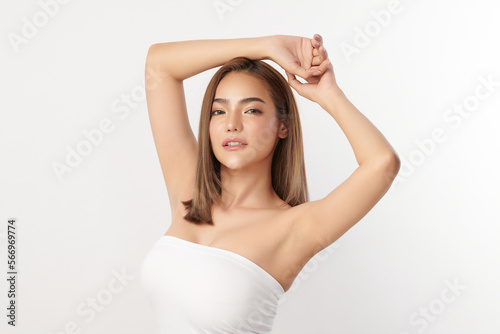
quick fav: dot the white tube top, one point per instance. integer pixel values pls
(196, 289)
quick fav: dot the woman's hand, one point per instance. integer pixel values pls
(296, 55)
(322, 79)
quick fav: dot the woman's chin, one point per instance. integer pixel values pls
(234, 163)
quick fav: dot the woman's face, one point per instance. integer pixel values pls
(244, 109)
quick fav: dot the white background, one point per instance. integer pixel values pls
(437, 226)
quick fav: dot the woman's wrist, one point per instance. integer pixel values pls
(268, 45)
(330, 99)
(264, 47)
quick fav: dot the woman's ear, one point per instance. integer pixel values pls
(282, 131)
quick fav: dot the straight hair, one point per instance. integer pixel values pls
(288, 167)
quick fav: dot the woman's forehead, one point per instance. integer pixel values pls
(236, 86)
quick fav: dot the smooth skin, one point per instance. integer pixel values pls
(246, 172)
(253, 221)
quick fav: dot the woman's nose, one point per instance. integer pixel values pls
(233, 122)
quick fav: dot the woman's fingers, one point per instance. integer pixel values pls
(319, 55)
(316, 44)
(319, 52)
(319, 70)
(294, 83)
(300, 71)
(318, 61)
(291, 78)
(316, 41)
(318, 38)
(323, 53)
(309, 61)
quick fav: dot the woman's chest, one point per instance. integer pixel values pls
(262, 237)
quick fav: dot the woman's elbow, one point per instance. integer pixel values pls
(391, 165)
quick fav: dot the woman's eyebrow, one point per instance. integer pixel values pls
(242, 101)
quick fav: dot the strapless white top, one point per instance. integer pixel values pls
(196, 289)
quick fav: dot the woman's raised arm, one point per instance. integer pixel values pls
(167, 65)
(320, 223)
(184, 59)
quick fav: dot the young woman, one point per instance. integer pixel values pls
(242, 224)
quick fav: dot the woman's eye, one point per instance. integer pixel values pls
(256, 111)
(252, 111)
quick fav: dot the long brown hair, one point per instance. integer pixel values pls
(288, 167)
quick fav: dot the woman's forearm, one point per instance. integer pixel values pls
(368, 143)
(184, 59)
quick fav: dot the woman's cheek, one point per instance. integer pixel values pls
(266, 134)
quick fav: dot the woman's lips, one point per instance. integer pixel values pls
(234, 139)
(234, 147)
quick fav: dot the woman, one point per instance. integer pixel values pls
(242, 225)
